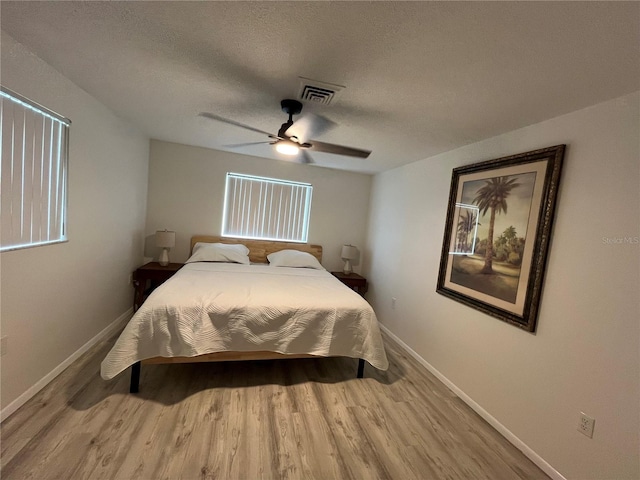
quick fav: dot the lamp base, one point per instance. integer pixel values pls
(347, 267)
(164, 257)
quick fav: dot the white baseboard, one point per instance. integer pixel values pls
(506, 433)
(44, 381)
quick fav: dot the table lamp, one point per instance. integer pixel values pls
(165, 240)
(349, 252)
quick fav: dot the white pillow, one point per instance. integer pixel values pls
(219, 252)
(293, 258)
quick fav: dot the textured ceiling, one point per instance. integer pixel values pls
(421, 78)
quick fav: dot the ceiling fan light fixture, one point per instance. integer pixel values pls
(287, 147)
(293, 138)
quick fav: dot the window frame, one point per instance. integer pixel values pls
(62, 164)
(305, 219)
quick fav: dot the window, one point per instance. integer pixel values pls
(34, 143)
(266, 208)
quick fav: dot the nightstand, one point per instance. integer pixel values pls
(148, 277)
(353, 281)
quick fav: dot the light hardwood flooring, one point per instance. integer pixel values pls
(276, 419)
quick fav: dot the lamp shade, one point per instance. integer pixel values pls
(349, 252)
(165, 239)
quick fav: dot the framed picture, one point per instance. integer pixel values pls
(497, 234)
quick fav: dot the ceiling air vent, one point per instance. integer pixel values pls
(318, 92)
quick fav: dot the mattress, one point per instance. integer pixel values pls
(217, 307)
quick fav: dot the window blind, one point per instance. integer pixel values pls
(33, 173)
(266, 208)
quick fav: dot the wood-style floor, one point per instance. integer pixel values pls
(278, 419)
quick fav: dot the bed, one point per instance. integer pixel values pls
(277, 303)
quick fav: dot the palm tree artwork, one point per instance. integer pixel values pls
(499, 204)
(466, 225)
(492, 197)
(496, 238)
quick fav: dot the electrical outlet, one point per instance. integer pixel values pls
(586, 424)
(3, 345)
(393, 302)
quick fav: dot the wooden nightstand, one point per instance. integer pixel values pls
(353, 281)
(148, 277)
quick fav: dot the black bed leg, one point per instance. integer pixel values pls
(135, 378)
(360, 367)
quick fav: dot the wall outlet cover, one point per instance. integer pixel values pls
(586, 424)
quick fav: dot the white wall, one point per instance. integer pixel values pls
(55, 299)
(186, 194)
(585, 355)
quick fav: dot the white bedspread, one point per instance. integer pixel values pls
(215, 307)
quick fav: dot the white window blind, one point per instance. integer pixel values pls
(266, 208)
(33, 173)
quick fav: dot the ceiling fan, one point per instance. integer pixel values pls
(294, 138)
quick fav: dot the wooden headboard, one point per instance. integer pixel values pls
(259, 249)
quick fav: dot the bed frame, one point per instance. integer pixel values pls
(258, 251)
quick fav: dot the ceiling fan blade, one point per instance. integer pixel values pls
(305, 157)
(232, 122)
(338, 149)
(309, 126)
(239, 145)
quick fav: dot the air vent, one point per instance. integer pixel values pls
(318, 92)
